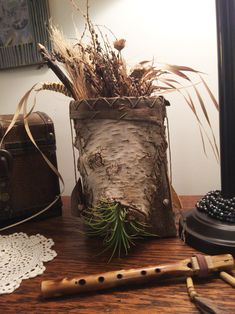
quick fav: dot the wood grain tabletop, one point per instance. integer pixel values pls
(78, 255)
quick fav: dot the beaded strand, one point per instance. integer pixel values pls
(215, 206)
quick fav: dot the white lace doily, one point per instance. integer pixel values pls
(22, 257)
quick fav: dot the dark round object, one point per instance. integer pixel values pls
(214, 205)
(207, 234)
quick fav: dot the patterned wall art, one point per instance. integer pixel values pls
(23, 23)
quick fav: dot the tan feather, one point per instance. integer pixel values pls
(56, 87)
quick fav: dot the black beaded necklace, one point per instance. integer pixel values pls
(215, 206)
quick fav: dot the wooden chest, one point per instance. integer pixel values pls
(27, 184)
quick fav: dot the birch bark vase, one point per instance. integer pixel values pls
(122, 157)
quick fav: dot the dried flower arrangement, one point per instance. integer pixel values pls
(97, 70)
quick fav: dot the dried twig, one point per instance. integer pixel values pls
(54, 67)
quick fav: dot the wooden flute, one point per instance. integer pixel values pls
(198, 265)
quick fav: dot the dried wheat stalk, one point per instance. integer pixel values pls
(97, 69)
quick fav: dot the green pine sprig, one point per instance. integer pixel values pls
(110, 220)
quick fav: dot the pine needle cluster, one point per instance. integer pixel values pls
(111, 221)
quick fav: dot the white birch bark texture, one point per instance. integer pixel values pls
(122, 157)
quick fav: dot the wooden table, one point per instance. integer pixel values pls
(77, 256)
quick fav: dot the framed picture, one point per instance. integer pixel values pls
(23, 23)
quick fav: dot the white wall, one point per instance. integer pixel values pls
(179, 32)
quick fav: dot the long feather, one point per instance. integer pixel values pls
(206, 306)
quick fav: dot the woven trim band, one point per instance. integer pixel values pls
(203, 266)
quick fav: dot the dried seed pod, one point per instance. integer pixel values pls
(119, 44)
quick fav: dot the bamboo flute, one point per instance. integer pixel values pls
(198, 265)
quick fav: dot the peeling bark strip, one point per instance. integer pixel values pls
(122, 157)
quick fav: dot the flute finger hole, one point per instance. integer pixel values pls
(143, 272)
(101, 279)
(82, 282)
(119, 276)
(157, 270)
